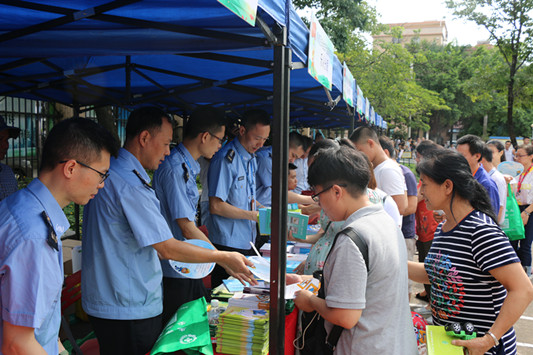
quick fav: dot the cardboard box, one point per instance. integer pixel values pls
(71, 256)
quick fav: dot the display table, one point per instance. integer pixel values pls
(291, 322)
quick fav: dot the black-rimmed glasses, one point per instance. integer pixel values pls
(103, 176)
(315, 196)
(220, 140)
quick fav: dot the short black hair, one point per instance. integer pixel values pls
(148, 118)
(322, 144)
(386, 143)
(296, 140)
(499, 145)
(204, 119)
(364, 133)
(427, 148)
(308, 142)
(487, 153)
(76, 138)
(251, 118)
(292, 166)
(475, 144)
(340, 165)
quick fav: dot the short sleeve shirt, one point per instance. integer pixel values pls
(175, 187)
(490, 186)
(301, 175)
(264, 176)
(458, 265)
(232, 179)
(502, 189)
(408, 222)
(31, 271)
(380, 292)
(389, 178)
(122, 276)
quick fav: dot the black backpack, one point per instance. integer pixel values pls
(314, 338)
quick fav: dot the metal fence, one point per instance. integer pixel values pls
(35, 119)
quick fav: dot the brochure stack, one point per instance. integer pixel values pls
(242, 330)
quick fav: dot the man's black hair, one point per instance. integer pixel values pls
(363, 133)
(340, 165)
(256, 116)
(292, 166)
(427, 148)
(475, 144)
(487, 153)
(386, 143)
(146, 118)
(204, 119)
(76, 138)
(296, 140)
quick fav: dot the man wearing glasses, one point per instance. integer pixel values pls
(73, 169)
(232, 190)
(176, 189)
(124, 232)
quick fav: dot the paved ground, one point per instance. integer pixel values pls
(523, 328)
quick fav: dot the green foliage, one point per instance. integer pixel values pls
(386, 78)
(340, 18)
(510, 25)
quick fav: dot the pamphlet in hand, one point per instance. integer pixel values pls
(296, 223)
(194, 271)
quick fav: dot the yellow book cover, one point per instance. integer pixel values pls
(440, 343)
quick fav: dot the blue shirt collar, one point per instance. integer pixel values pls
(50, 205)
(242, 152)
(128, 161)
(195, 166)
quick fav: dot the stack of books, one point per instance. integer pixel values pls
(242, 330)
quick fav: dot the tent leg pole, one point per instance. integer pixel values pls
(280, 161)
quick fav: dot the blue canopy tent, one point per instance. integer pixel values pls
(175, 54)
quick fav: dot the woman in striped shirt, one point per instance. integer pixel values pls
(474, 273)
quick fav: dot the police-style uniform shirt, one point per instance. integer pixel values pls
(8, 182)
(31, 270)
(175, 187)
(264, 176)
(122, 276)
(232, 179)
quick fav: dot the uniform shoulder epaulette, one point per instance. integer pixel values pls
(230, 155)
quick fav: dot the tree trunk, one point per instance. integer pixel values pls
(105, 117)
(510, 100)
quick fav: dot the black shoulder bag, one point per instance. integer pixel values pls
(314, 338)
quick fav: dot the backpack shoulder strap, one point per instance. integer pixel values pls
(359, 242)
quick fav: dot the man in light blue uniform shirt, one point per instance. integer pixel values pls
(232, 190)
(74, 166)
(175, 187)
(264, 176)
(124, 232)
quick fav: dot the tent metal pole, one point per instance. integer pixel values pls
(280, 161)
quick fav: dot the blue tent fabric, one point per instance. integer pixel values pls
(174, 53)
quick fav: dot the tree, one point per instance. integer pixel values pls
(510, 25)
(386, 77)
(340, 18)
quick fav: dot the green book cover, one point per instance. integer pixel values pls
(440, 343)
(243, 315)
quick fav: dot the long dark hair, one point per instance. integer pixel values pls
(450, 165)
(498, 146)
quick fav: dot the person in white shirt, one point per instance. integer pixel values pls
(509, 151)
(388, 174)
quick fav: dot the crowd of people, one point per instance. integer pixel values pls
(133, 225)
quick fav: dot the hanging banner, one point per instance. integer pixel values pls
(359, 101)
(348, 85)
(245, 9)
(367, 110)
(320, 64)
(372, 115)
